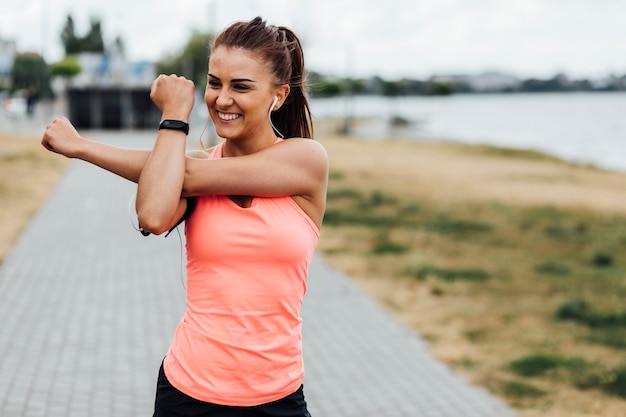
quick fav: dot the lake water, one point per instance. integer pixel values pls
(581, 127)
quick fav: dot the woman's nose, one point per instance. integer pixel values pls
(224, 98)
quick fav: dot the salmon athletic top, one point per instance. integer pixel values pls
(239, 342)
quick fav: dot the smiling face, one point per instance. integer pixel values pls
(240, 91)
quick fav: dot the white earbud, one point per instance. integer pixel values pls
(270, 117)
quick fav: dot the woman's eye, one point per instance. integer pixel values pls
(213, 83)
(241, 87)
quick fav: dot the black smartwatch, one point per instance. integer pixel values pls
(174, 125)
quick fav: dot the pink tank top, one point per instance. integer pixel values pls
(239, 342)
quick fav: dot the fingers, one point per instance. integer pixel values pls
(59, 135)
(173, 93)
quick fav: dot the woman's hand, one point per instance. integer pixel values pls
(61, 137)
(174, 96)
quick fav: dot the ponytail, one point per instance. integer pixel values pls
(294, 117)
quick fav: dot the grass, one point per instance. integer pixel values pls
(451, 275)
(490, 283)
(28, 174)
(578, 371)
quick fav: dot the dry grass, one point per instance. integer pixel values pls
(29, 172)
(479, 328)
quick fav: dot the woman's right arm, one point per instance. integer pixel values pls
(62, 138)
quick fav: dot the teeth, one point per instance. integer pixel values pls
(227, 116)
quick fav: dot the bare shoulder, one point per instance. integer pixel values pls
(304, 148)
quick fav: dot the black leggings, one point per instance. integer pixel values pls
(170, 402)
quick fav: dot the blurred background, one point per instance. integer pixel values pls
(540, 74)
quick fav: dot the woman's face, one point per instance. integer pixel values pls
(240, 91)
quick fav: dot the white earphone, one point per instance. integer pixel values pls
(270, 117)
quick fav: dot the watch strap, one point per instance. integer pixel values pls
(174, 125)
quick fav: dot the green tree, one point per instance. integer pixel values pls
(30, 72)
(191, 62)
(70, 41)
(92, 41)
(67, 68)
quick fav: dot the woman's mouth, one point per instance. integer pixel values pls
(228, 116)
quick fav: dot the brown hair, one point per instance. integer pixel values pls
(280, 48)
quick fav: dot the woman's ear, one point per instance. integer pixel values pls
(281, 93)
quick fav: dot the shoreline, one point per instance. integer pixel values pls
(585, 128)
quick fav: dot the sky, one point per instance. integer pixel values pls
(360, 38)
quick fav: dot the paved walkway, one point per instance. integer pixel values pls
(88, 307)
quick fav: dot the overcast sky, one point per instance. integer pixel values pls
(391, 38)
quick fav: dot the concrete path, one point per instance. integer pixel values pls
(88, 307)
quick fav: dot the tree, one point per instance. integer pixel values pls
(191, 62)
(67, 68)
(71, 43)
(93, 42)
(30, 73)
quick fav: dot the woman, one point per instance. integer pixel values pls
(254, 206)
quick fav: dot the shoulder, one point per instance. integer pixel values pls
(304, 147)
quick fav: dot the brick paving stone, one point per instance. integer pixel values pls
(88, 307)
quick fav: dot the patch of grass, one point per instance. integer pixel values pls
(534, 365)
(611, 337)
(344, 193)
(564, 232)
(374, 200)
(612, 381)
(334, 217)
(335, 175)
(383, 245)
(475, 275)
(519, 390)
(448, 225)
(579, 311)
(476, 335)
(602, 260)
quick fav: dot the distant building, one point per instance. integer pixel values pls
(112, 93)
(105, 70)
(8, 50)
